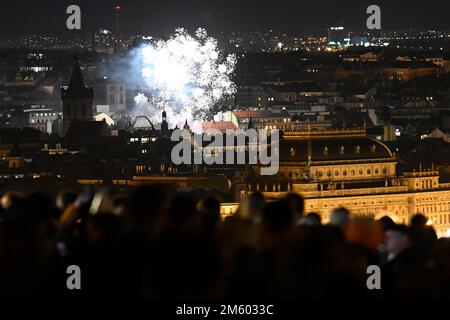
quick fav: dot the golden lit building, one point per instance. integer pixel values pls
(347, 168)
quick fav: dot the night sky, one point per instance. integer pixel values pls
(158, 17)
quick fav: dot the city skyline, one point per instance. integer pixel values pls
(161, 18)
(207, 151)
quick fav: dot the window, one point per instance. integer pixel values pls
(336, 173)
(344, 173)
(368, 171)
(353, 172)
(361, 172)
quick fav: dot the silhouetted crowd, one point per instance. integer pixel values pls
(155, 244)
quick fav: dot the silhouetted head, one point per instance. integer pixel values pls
(278, 217)
(146, 206)
(251, 208)
(340, 217)
(397, 239)
(311, 219)
(256, 202)
(210, 211)
(183, 213)
(29, 221)
(296, 204)
(386, 222)
(418, 221)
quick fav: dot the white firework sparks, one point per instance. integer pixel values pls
(185, 75)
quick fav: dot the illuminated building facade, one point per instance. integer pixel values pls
(347, 168)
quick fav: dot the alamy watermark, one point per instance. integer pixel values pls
(253, 147)
(73, 22)
(373, 282)
(374, 20)
(73, 281)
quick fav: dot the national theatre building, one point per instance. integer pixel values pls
(346, 168)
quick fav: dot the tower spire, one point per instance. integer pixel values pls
(77, 79)
(186, 126)
(77, 98)
(250, 123)
(164, 124)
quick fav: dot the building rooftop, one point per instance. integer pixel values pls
(333, 149)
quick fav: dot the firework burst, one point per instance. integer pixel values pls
(185, 76)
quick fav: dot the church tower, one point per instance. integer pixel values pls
(164, 124)
(77, 99)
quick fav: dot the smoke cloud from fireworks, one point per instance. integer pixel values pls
(185, 76)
